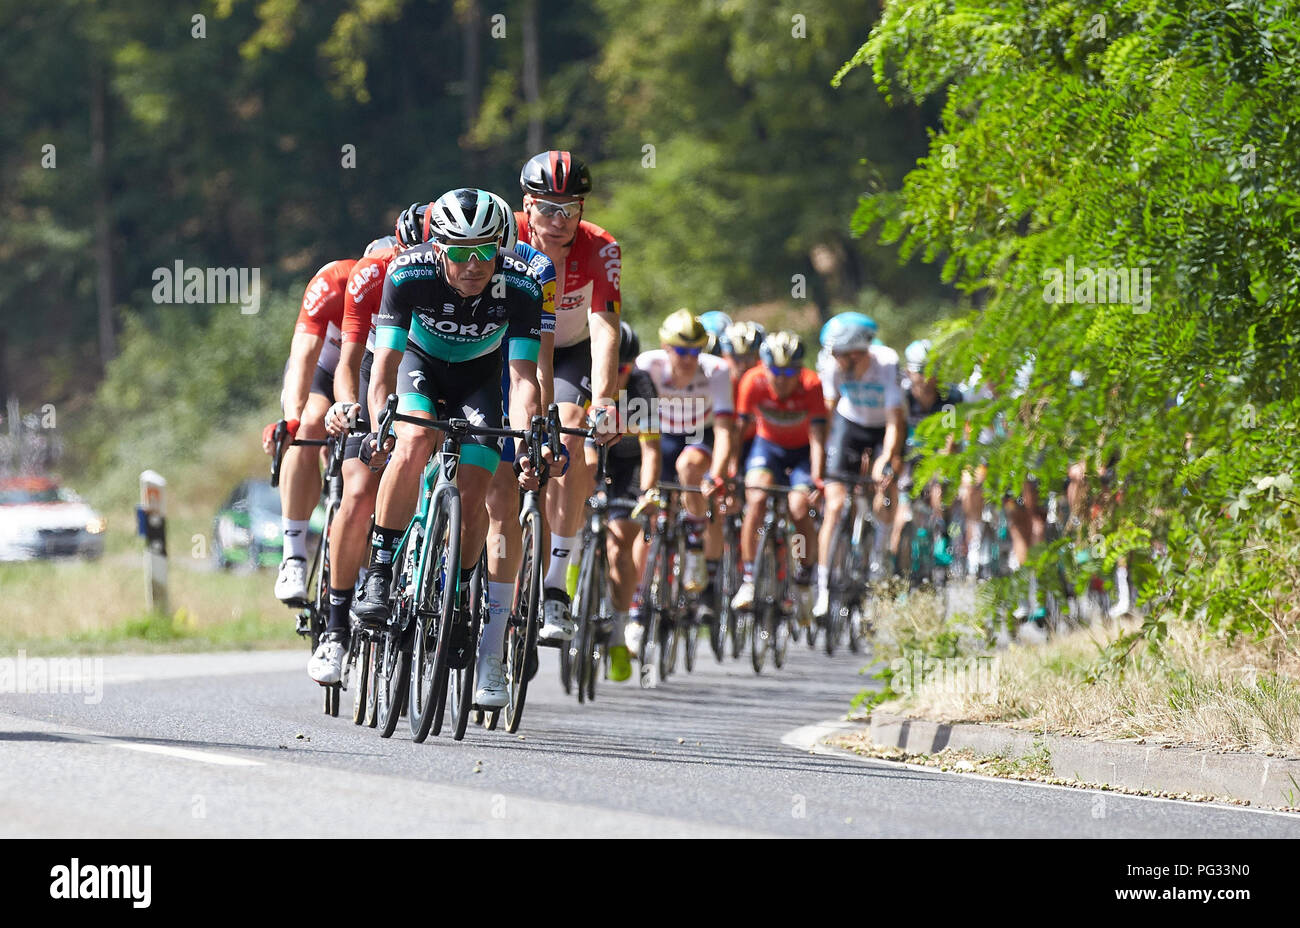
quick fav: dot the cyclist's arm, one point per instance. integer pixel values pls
(303, 355)
(524, 393)
(546, 369)
(392, 325)
(817, 448)
(604, 357)
(347, 376)
(651, 461)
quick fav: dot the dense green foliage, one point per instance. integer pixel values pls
(226, 145)
(1154, 135)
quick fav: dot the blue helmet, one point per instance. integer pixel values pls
(715, 322)
(848, 332)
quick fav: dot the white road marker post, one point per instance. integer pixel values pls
(151, 521)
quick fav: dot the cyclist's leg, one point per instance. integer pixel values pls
(300, 486)
(692, 464)
(758, 470)
(843, 456)
(567, 496)
(972, 507)
(804, 543)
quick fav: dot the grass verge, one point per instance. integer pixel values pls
(1189, 686)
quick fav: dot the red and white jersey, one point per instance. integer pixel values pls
(690, 408)
(322, 310)
(361, 303)
(588, 282)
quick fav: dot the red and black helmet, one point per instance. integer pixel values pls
(414, 225)
(556, 173)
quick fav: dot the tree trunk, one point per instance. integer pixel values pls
(103, 222)
(532, 78)
(471, 27)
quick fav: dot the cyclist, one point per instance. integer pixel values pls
(307, 394)
(740, 345)
(784, 398)
(349, 530)
(860, 385)
(716, 323)
(695, 430)
(924, 398)
(452, 302)
(633, 463)
(588, 266)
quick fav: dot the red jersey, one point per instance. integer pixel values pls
(361, 302)
(588, 282)
(322, 310)
(782, 422)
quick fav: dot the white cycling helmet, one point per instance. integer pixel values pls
(916, 354)
(469, 215)
(849, 331)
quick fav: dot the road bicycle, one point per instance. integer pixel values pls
(428, 628)
(772, 620)
(729, 626)
(587, 654)
(849, 560)
(667, 610)
(313, 614)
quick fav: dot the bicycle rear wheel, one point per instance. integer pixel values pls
(521, 633)
(360, 677)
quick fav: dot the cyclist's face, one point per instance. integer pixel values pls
(682, 364)
(782, 385)
(853, 362)
(471, 277)
(555, 230)
(743, 362)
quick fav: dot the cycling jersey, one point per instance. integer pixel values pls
(864, 402)
(419, 309)
(590, 280)
(781, 422)
(946, 396)
(365, 287)
(322, 310)
(689, 409)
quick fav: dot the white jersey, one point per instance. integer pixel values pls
(865, 402)
(690, 409)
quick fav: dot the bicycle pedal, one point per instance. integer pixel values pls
(296, 603)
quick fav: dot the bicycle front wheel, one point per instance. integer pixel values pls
(440, 567)
(521, 633)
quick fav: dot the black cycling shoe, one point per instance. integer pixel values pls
(372, 608)
(460, 649)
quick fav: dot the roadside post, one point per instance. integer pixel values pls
(151, 523)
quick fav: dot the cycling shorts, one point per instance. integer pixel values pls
(846, 445)
(794, 463)
(461, 389)
(624, 483)
(672, 446)
(573, 374)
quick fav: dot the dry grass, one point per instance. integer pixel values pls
(1196, 690)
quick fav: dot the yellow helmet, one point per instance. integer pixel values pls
(782, 349)
(683, 329)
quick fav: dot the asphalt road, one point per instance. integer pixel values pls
(235, 744)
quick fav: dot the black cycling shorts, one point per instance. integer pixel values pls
(846, 444)
(624, 483)
(463, 390)
(573, 373)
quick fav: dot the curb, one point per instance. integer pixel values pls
(1253, 778)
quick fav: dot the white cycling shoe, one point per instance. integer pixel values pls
(744, 598)
(556, 622)
(491, 692)
(291, 583)
(326, 665)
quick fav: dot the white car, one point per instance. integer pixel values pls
(39, 519)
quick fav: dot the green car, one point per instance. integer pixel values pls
(246, 529)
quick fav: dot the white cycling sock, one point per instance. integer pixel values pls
(561, 554)
(295, 537)
(494, 635)
(616, 633)
(973, 553)
(823, 579)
